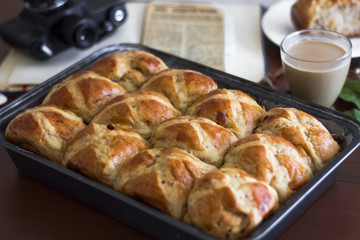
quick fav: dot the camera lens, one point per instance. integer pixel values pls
(85, 36)
(43, 5)
(78, 32)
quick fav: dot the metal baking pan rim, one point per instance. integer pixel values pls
(270, 223)
(261, 232)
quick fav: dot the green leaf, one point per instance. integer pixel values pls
(355, 113)
(351, 92)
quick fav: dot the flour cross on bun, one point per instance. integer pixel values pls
(181, 86)
(230, 108)
(303, 130)
(161, 177)
(130, 69)
(98, 151)
(271, 159)
(197, 135)
(228, 203)
(83, 93)
(141, 111)
(45, 130)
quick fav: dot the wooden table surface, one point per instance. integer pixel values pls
(30, 210)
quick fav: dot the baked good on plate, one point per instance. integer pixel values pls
(130, 68)
(44, 130)
(271, 159)
(161, 177)
(337, 15)
(98, 151)
(232, 109)
(197, 135)
(303, 130)
(141, 111)
(181, 86)
(83, 93)
(228, 203)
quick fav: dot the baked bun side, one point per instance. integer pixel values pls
(271, 159)
(83, 93)
(199, 136)
(45, 130)
(141, 111)
(98, 151)
(337, 15)
(228, 203)
(181, 86)
(161, 177)
(306, 132)
(130, 69)
(232, 109)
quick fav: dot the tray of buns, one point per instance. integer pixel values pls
(174, 148)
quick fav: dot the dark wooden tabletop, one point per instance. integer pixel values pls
(30, 210)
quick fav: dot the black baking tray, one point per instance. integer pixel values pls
(145, 218)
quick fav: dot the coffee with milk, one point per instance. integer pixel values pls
(316, 68)
(306, 78)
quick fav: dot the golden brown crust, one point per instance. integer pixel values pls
(304, 131)
(336, 15)
(271, 159)
(232, 109)
(44, 130)
(130, 68)
(161, 177)
(83, 93)
(182, 87)
(199, 136)
(228, 203)
(141, 111)
(98, 151)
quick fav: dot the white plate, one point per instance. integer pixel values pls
(276, 24)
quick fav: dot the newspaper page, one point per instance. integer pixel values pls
(192, 31)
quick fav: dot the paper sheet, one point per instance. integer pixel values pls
(243, 44)
(188, 30)
(243, 55)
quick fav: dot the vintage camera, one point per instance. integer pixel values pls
(46, 27)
